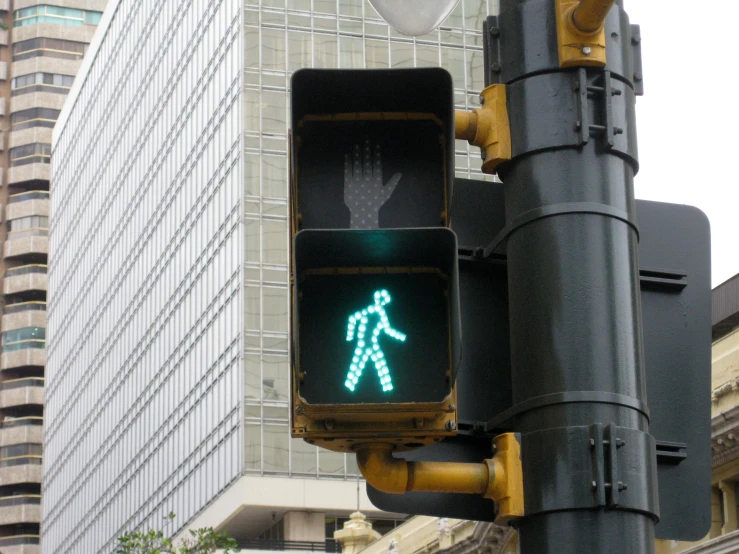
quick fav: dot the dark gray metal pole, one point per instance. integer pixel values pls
(576, 338)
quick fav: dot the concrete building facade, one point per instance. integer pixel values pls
(42, 43)
(168, 368)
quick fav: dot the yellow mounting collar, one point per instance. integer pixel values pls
(580, 32)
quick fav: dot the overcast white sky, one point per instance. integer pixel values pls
(688, 118)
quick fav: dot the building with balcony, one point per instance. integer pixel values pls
(167, 335)
(42, 43)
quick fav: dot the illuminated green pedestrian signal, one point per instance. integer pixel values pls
(371, 351)
(376, 326)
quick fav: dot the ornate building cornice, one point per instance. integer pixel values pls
(725, 437)
(486, 538)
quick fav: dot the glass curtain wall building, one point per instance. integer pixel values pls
(167, 335)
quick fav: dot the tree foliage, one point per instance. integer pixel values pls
(200, 541)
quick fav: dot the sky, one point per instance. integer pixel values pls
(688, 118)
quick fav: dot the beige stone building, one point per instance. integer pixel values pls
(431, 535)
(42, 43)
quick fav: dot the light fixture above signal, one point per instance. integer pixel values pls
(414, 17)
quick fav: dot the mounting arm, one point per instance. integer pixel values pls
(581, 37)
(500, 479)
(487, 127)
(589, 15)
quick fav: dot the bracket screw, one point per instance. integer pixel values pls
(586, 50)
(299, 410)
(496, 67)
(451, 425)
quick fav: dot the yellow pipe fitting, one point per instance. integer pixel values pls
(465, 125)
(383, 471)
(487, 127)
(500, 479)
(589, 15)
(581, 37)
(507, 478)
(397, 476)
(448, 477)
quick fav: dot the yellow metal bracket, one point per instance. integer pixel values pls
(580, 32)
(487, 128)
(506, 488)
(500, 478)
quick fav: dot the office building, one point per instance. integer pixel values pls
(42, 43)
(168, 368)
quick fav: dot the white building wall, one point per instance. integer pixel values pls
(144, 367)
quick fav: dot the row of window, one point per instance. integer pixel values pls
(33, 153)
(34, 117)
(55, 14)
(20, 454)
(26, 449)
(23, 334)
(48, 47)
(41, 82)
(29, 222)
(26, 270)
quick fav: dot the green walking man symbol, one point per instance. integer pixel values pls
(371, 351)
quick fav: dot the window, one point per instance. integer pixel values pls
(24, 333)
(27, 337)
(19, 454)
(30, 222)
(55, 14)
(33, 153)
(33, 117)
(41, 82)
(49, 47)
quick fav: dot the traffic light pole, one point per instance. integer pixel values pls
(589, 462)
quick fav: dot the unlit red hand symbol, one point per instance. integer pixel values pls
(364, 193)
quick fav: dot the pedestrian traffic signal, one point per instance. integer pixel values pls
(376, 329)
(375, 334)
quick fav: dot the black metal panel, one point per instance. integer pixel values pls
(674, 255)
(675, 240)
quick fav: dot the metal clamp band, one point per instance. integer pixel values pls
(596, 397)
(497, 245)
(607, 466)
